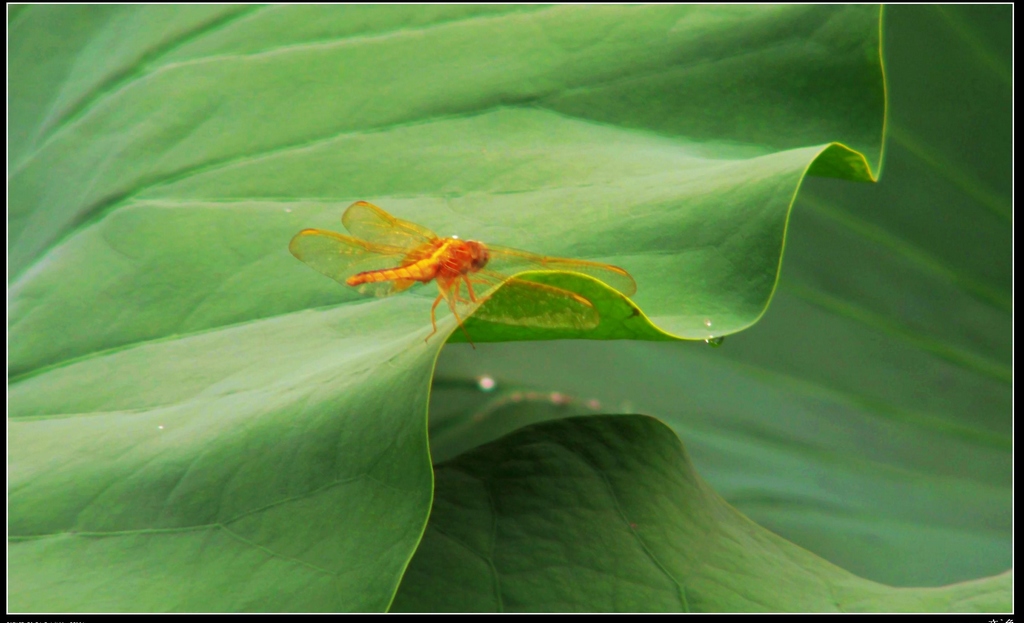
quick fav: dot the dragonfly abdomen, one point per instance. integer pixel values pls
(424, 271)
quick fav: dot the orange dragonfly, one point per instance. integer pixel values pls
(389, 255)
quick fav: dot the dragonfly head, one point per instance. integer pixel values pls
(478, 254)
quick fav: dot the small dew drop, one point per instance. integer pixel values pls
(707, 322)
(594, 404)
(715, 342)
(486, 383)
(161, 427)
(455, 237)
(558, 398)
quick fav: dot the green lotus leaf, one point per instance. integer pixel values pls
(606, 514)
(199, 422)
(867, 417)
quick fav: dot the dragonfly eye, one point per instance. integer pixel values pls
(479, 254)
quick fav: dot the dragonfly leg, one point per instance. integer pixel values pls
(459, 320)
(469, 286)
(433, 321)
(451, 304)
(457, 291)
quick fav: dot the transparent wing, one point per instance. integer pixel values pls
(522, 303)
(339, 257)
(511, 261)
(367, 221)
